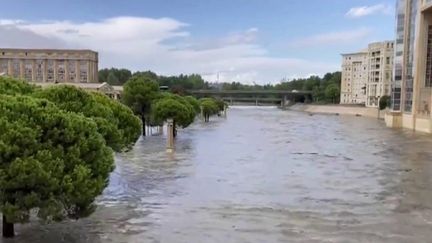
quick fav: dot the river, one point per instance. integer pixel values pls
(264, 175)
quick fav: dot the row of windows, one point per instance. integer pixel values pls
(38, 70)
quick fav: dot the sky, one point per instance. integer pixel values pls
(248, 41)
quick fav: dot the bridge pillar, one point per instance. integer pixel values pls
(283, 103)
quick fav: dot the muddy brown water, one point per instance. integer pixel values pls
(264, 175)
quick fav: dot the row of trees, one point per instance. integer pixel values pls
(178, 84)
(154, 107)
(57, 144)
(56, 149)
(325, 89)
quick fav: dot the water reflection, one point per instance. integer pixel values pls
(264, 175)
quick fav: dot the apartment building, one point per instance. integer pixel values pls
(354, 78)
(380, 72)
(412, 81)
(366, 75)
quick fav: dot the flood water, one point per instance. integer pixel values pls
(264, 175)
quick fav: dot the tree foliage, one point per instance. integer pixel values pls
(138, 94)
(332, 92)
(209, 108)
(51, 160)
(384, 102)
(117, 124)
(194, 102)
(12, 86)
(127, 123)
(56, 149)
(173, 107)
(114, 76)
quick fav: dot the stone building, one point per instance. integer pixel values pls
(366, 75)
(412, 80)
(50, 65)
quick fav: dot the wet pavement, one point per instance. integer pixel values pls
(264, 175)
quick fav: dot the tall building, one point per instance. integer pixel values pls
(51, 66)
(366, 75)
(412, 81)
(354, 78)
(380, 70)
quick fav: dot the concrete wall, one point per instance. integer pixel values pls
(340, 109)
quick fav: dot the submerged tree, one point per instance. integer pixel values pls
(173, 107)
(51, 160)
(138, 94)
(194, 102)
(128, 125)
(209, 108)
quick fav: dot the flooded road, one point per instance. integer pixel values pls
(264, 175)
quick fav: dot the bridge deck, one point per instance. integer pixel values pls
(250, 92)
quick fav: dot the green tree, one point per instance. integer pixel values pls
(114, 76)
(209, 108)
(318, 94)
(332, 93)
(194, 102)
(148, 75)
(112, 79)
(384, 102)
(12, 86)
(126, 122)
(51, 160)
(173, 107)
(220, 104)
(116, 122)
(138, 94)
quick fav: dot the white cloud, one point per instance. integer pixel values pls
(362, 11)
(333, 38)
(162, 45)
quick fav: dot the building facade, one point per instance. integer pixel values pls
(354, 78)
(49, 65)
(412, 81)
(366, 75)
(380, 71)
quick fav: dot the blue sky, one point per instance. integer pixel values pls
(243, 40)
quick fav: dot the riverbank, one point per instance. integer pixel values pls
(338, 110)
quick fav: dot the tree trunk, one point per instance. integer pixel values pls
(8, 229)
(174, 129)
(143, 125)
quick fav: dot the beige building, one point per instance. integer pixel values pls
(366, 75)
(354, 78)
(49, 65)
(412, 81)
(380, 55)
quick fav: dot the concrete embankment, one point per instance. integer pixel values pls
(338, 110)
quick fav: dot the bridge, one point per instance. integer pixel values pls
(257, 97)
